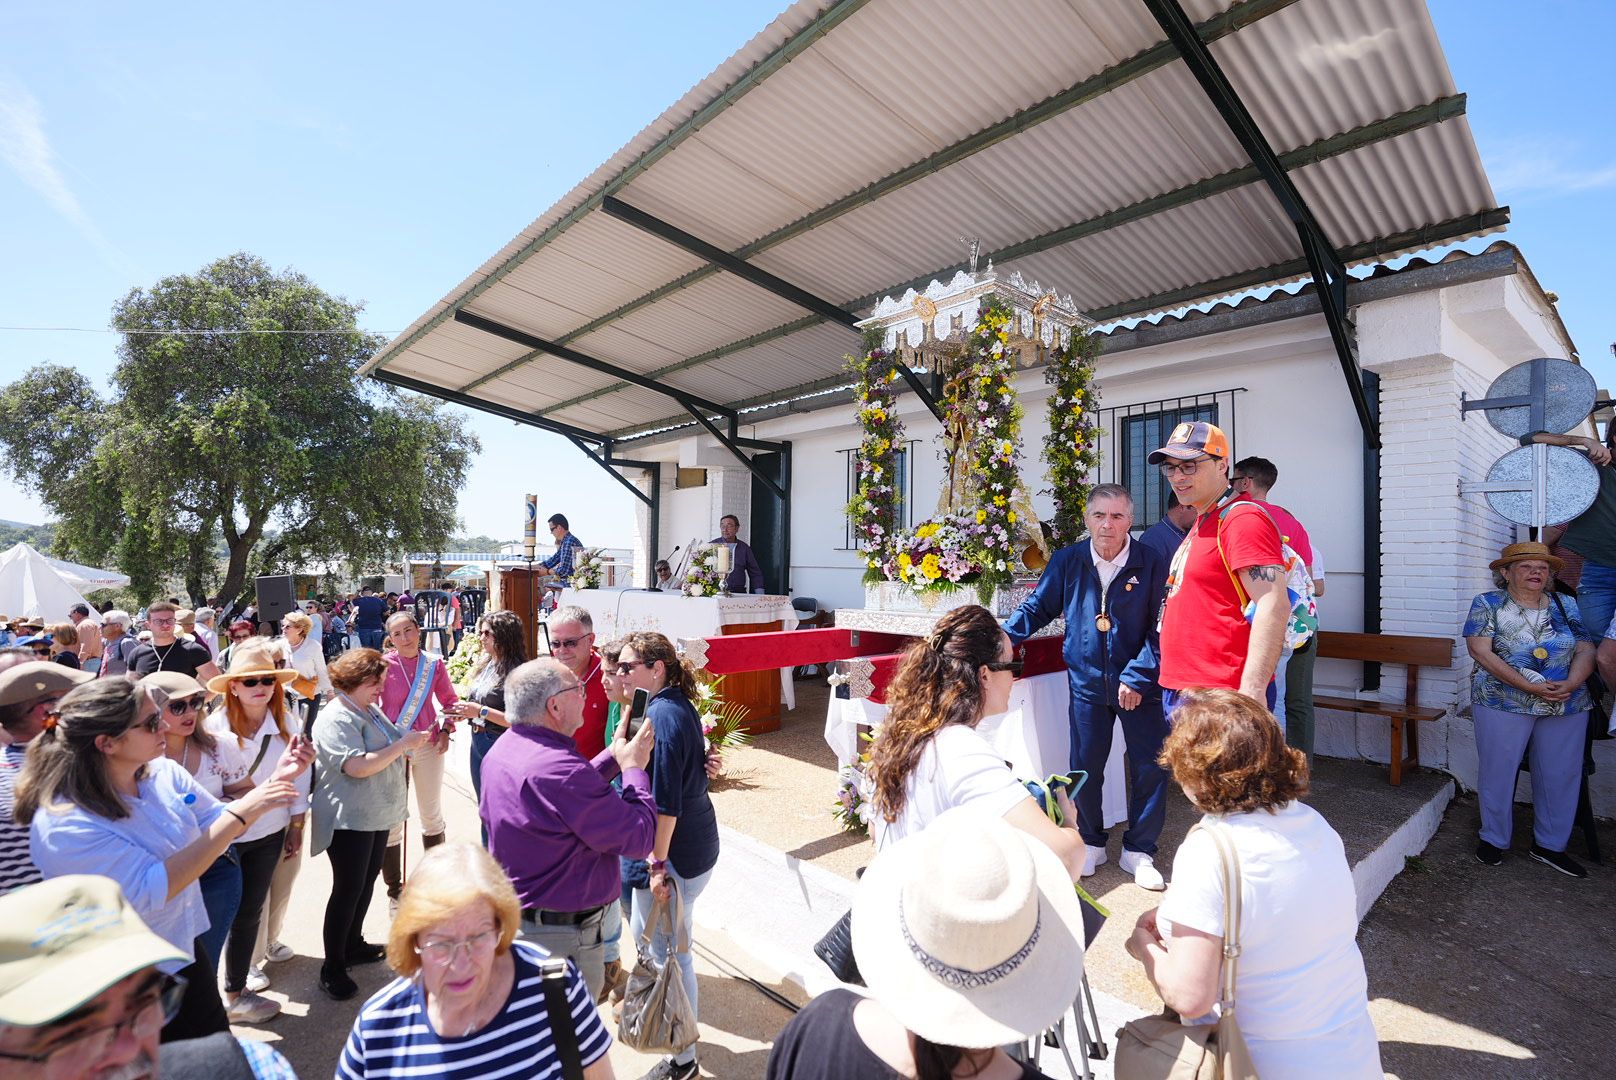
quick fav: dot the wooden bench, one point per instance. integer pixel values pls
(1413, 653)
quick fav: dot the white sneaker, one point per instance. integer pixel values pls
(251, 1009)
(1143, 869)
(1093, 859)
(256, 980)
(278, 953)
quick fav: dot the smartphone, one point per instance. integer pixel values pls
(636, 712)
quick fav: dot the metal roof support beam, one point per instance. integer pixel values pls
(506, 412)
(1415, 119)
(1328, 270)
(609, 465)
(572, 356)
(717, 256)
(730, 445)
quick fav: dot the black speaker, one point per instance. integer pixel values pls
(275, 599)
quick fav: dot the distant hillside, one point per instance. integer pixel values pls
(18, 532)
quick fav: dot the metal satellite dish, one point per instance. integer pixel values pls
(1573, 483)
(1564, 393)
(1538, 485)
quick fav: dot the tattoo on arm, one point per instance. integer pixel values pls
(1264, 573)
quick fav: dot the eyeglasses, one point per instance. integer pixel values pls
(259, 680)
(442, 952)
(578, 686)
(629, 665)
(1169, 468)
(180, 708)
(40, 648)
(145, 1018)
(1012, 666)
(154, 724)
(567, 643)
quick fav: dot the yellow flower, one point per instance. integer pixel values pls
(1007, 447)
(981, 516)
(998, 500)
(932, 567)
(904, 560)
(1012, 517)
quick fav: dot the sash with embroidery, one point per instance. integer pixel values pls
(420, 690)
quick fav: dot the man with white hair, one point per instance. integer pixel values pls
(116, 642)
(207, 633)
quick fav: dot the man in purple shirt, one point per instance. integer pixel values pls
(554, 821)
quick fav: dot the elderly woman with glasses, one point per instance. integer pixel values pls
(1528, 692)
(255, 724)
(470, 1000)
(100, 797)
(929, 758)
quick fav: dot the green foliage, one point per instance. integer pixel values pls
(1072, 446)
(873, 509)
(262, 442)
(38, 537)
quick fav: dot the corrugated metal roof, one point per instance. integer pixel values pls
(848, 146)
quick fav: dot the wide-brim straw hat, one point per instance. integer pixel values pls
(248, 661)
(970, 932)
(1529, 551)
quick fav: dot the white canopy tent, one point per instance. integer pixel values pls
(87, 579)
(30, 584)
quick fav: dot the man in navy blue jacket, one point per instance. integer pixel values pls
(1109, 590)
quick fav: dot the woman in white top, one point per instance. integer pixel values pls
(1300, 991)
(99, 797)
(306, 655)
(220, 771)
(256, 724)
(928, 757)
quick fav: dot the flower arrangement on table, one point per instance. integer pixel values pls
(943, 553)
(462, 660)
(873, 510)
(1071, 449)
(703, 577)
(589, 569)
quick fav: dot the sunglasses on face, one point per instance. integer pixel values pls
(567, 643)
(180, 708)
(152, 724)
(627, 666)
(258, 680)
(1012, 666)
(40, 648)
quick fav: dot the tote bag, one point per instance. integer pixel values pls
(657, 1014)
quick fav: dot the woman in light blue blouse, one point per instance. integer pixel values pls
(1528, 689)
(100, 798)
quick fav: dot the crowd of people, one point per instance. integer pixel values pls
(155, 797)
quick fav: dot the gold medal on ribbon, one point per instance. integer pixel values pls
(1541, 653)
(1102, 623)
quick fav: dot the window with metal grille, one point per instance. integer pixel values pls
(1131, 432)
(905, 486)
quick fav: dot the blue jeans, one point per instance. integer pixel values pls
(1172, 698)
(1144, 729)
(1596, 598)
(662, 943)
(370, 639)
(481, 742)
(221, 895)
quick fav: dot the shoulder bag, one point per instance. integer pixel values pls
(1164, 1047)
(563, 1029)
(657, 1015)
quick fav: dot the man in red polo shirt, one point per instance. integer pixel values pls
(572, 641)
(1224, 620)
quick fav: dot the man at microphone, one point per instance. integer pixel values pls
(745, 575)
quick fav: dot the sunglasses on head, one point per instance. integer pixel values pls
(258, 680)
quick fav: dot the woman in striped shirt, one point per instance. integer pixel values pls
(469, 1001)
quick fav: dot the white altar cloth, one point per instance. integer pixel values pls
(1034, 736)
(618, 611)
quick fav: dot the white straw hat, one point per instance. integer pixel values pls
(970, 932)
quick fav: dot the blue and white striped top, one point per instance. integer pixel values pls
(393, 1037)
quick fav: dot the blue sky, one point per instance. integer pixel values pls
(387, 150)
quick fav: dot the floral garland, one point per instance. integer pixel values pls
(463, 659)
(873, 510)
(721, 720)
(855, 795)
(703, 578)
(590, 569)
(981, 399)
(1071, 449)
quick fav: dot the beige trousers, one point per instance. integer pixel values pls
(280, 893)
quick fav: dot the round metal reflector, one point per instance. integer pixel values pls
(1568, 397)
(1573, 484)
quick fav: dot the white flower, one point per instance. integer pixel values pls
(697, 590)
